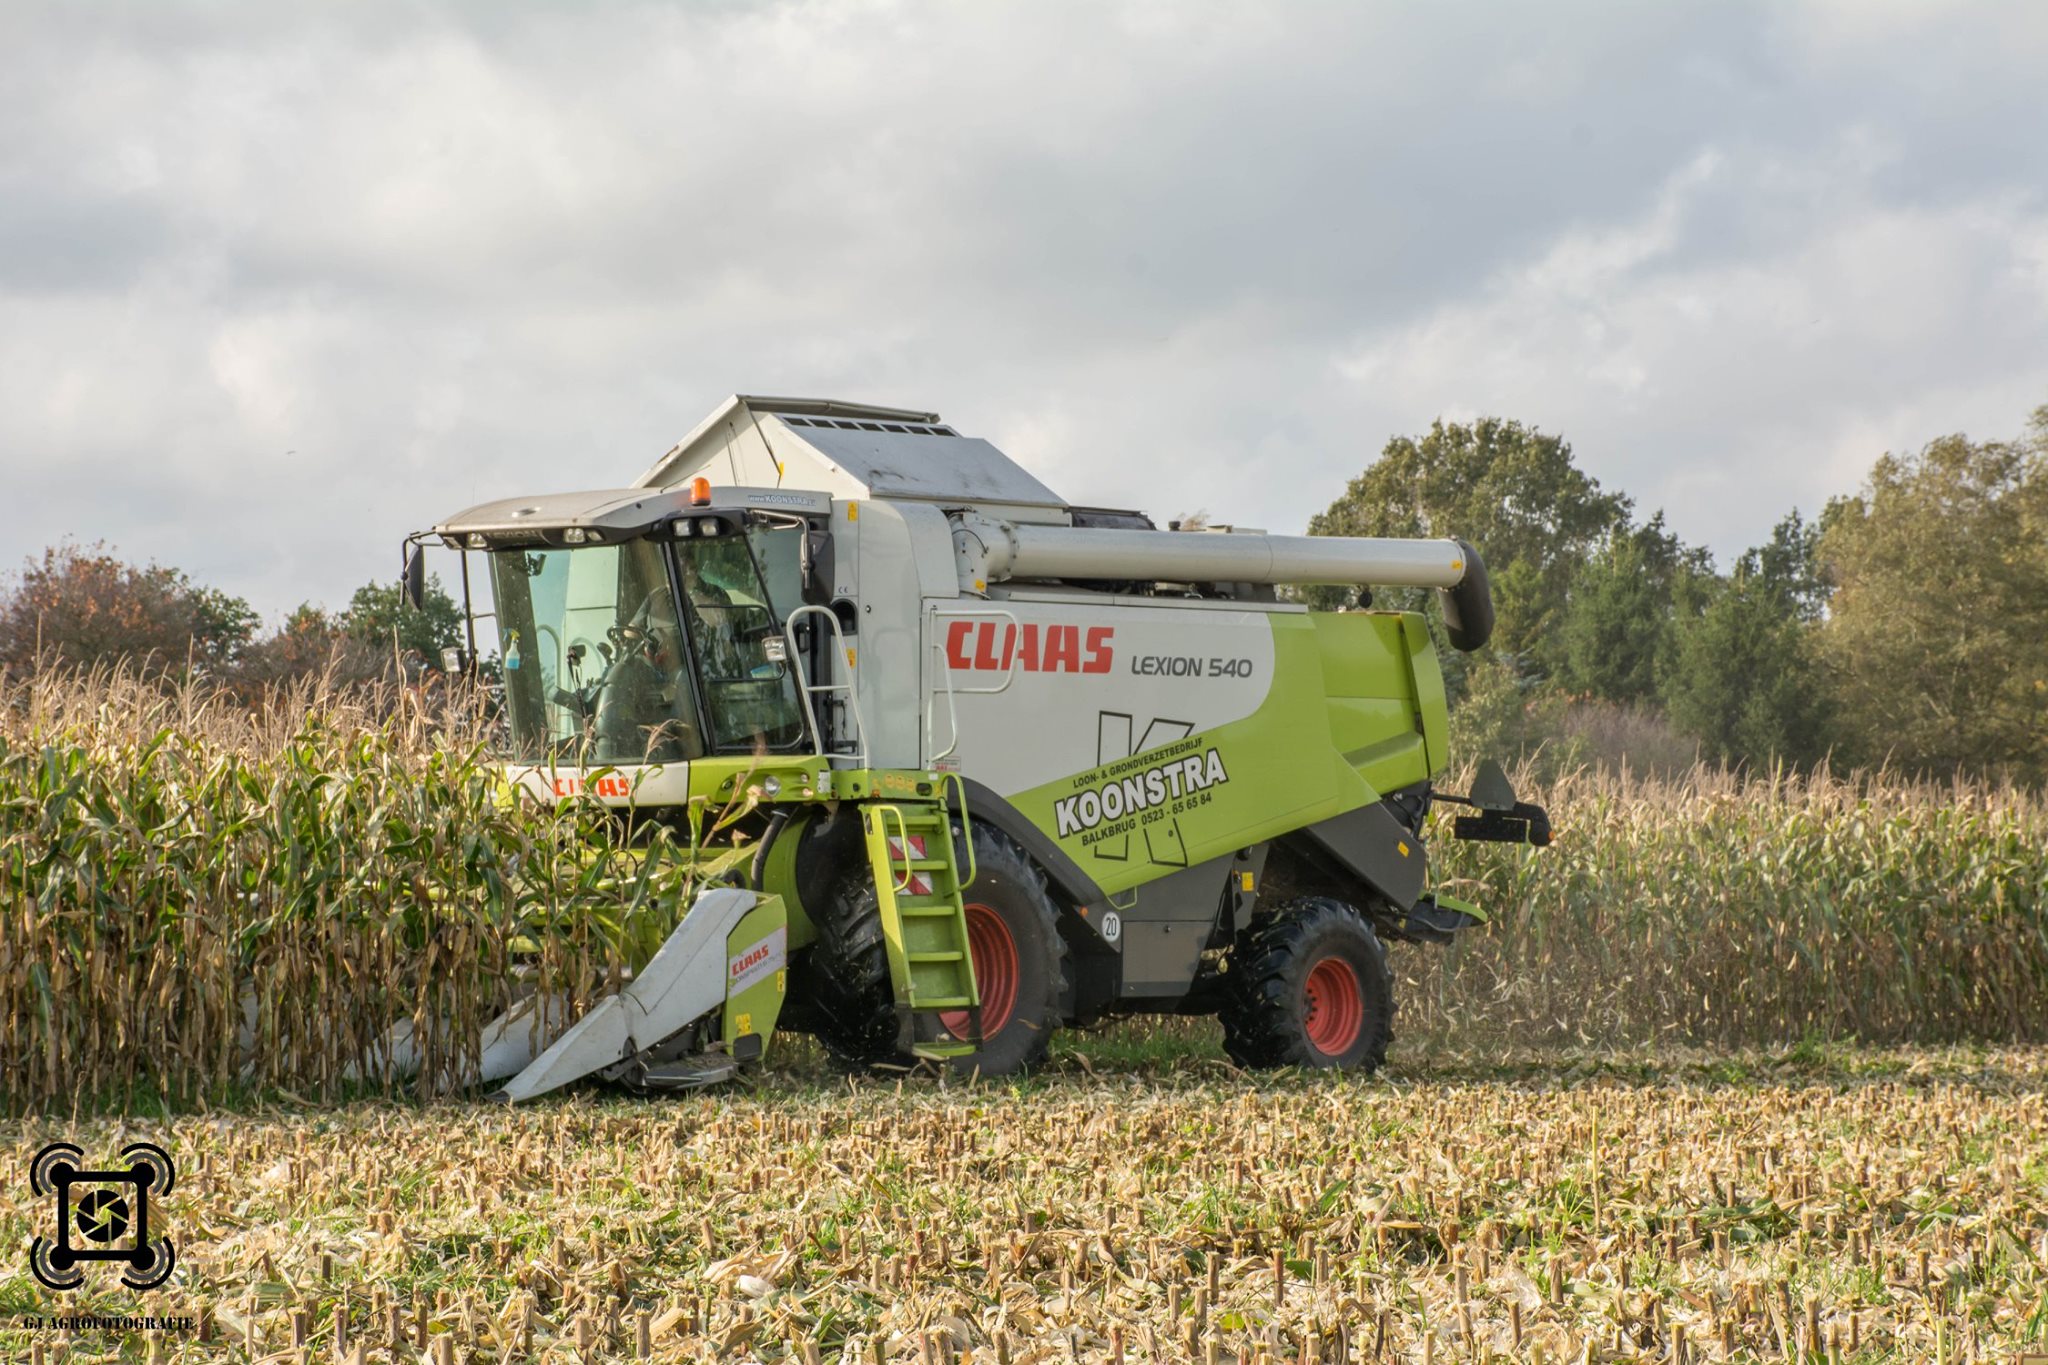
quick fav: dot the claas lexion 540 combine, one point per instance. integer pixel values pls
(1013, 763)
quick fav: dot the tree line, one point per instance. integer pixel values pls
(81, 606)
(1904, 626)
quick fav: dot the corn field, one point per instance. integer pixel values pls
(1710, 910)
(1882, 1206)
(199, 898)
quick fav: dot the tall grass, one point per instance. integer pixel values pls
(196, 896)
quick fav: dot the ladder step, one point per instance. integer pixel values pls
(912, 850)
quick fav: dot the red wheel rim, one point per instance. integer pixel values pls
(995, 970)
(1334, 1007)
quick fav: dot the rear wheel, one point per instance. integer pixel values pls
(1019, 964)
(1308, 986)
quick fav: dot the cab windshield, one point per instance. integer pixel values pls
(592, 656)
(600, 668)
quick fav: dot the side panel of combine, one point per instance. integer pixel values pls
(1384, 695)
(903, 555)
(1145, 737)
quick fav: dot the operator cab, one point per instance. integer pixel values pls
(644, 626)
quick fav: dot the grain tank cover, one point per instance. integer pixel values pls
(851, 450)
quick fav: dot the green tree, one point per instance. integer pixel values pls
(1510, 490)
(1789, 563)
(1937, 628)
(83, 605)
(1742, 679)
(1615, 637)
(379, 611)
(1509, 714)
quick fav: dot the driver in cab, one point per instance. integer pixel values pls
(711, 610)
(746, 691)
(646, 711)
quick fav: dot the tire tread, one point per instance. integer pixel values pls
(1262, 1012)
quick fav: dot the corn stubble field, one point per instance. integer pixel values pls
(1885, 1206)
(1742, 1071)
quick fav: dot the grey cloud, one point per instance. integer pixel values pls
(1171, 255)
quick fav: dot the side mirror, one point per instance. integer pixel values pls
(414, 584)
(454, 660)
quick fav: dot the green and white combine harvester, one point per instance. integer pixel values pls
(1018, 763)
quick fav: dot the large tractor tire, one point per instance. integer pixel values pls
(843, 980)
(1019, 964)
(1308, 985)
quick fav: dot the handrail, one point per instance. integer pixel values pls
(805, 688)
(945, 671)
(966, 823)
(882, 814)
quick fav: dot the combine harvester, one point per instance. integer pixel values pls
(1018, 763)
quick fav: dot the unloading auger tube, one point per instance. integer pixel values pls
(995, 551)
(993, 762)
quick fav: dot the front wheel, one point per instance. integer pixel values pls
(1308, 985)
(1013, 938)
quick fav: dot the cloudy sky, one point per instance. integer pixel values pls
(278, 283)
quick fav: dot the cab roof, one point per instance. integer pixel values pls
(621, 511)
(614, 513)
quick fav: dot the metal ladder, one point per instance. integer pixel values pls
(924, 923)
(805, 689)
